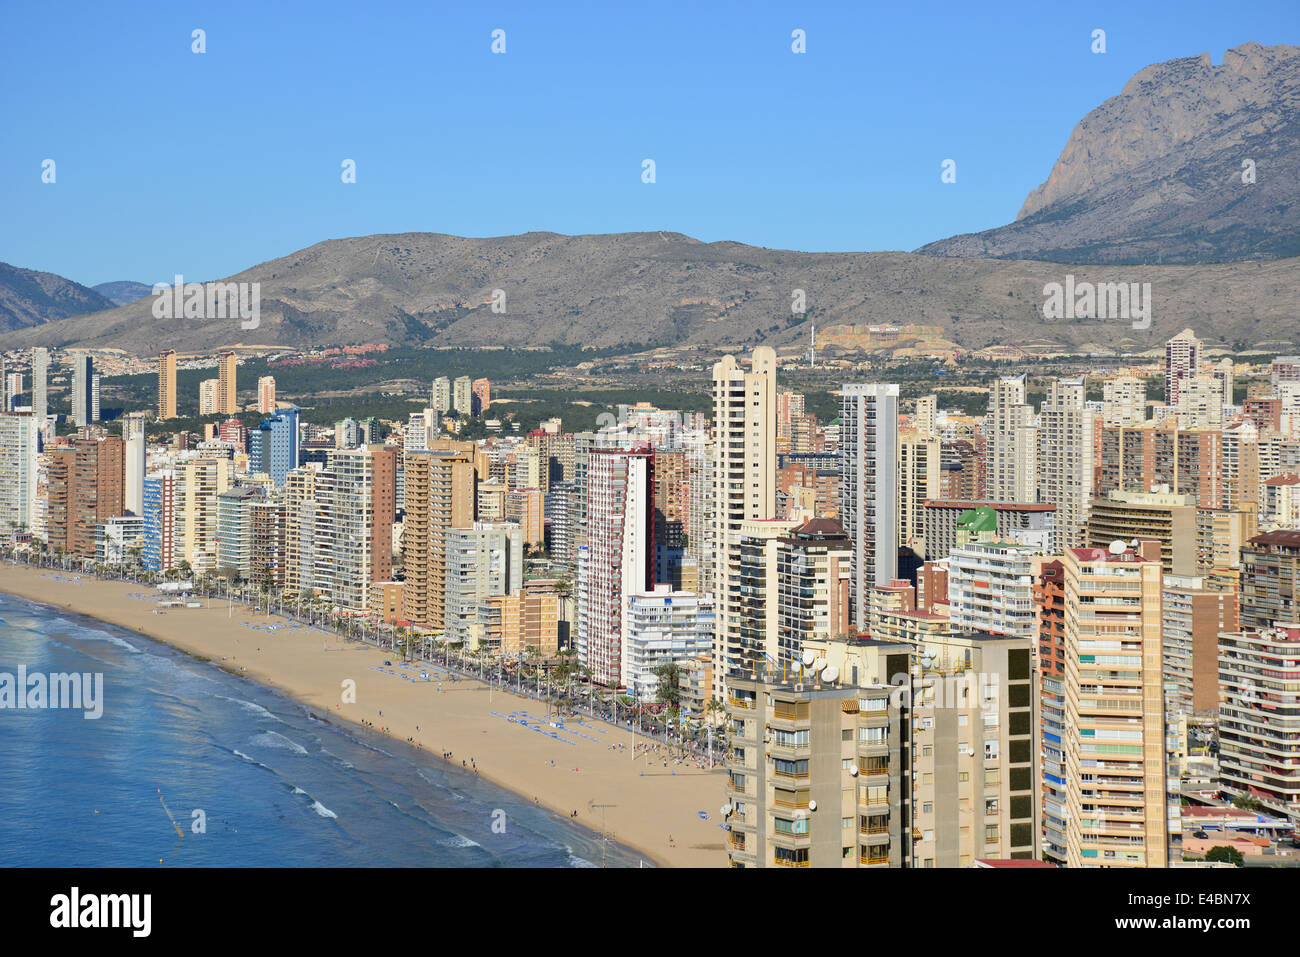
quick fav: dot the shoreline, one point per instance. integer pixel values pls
(642, 803)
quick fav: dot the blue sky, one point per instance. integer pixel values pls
(169, 161)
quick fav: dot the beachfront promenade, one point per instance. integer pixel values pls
(643, 793)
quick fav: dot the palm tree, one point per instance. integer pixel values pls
(669, 690)
(714, 709)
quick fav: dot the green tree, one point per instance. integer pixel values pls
(1231, 855)
(669, 690)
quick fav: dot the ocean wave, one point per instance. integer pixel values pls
(575, 861)
(240, 754)
(252, 706)
(322, 810)
(273, 739)
(459, 840)
(89, 634)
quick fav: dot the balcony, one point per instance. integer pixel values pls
(873, 859)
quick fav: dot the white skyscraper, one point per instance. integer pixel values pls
(869, 488)
(40, 393)
(133, 492)
(17, 474)
(744, 478)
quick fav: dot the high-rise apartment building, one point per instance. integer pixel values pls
(1270, 577)
(440, 395)
(439, 493)
(1065, 467)
(619, 560)
(273, 446)
(1012, 463)
(209, 390)
(1193, 616)
(481, 391)
(948, 524)
(1259, 714)
(462, 395)
(18, 460)
(869, 488)
(198, 483)
(167, 384)
(487, 558)
(85, 488)
(1115, 814)
(744, 478)
(1159, 516)
(918, 480)
(160, 541)
(40, 385)
(1124, 402)
(266, 395)
(83, 370)
(227, 390)
(1182, 361)
(663, 626)
(991, 588)
(134, 473)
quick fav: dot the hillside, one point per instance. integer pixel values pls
(1156, 174)
(664, 288)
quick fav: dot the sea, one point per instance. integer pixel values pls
(190, 766)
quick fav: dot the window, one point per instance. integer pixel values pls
(927, 777)
(790, 739)
(846, 822)
(927, 750)
(790, 856)
(991, 806)
(786, 826)
(927, 807)
(846, 763)
(992, 777)
(792, 769)
(846, 734)
(961, 720)
(963, 776)
(990, 833)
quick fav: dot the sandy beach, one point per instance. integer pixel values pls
(643, 802)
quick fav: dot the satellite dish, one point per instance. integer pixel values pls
(812, 805)
(796, 667)
(725, 810)
(831, 673)
(819, 664)
(808, 657)
(1118, 547)
(853, 770)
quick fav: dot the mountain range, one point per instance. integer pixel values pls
(1152, 187)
